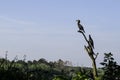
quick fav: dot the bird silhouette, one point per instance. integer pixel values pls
(80, 26)
(91, 41)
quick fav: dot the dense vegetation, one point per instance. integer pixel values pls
(39, 70)
(58, 70)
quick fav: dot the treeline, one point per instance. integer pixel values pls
(58, 70)
(39, 70)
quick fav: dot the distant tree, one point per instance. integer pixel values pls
(60, 63)
(42, 60)
(68, 63)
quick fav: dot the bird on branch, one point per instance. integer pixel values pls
(81, 29)
(91, 41)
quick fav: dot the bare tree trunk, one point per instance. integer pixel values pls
(91, 55)
(94, 68)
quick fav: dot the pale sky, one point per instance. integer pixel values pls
(47, 29)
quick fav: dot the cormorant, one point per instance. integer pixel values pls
(91, 41)
(80, 26)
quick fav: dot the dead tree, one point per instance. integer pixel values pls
(89, 48)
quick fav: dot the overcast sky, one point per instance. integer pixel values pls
(47, 29)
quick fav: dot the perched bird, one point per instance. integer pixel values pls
(91, 41)
(80, 26)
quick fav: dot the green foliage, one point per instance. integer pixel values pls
(58, 70)
(41, 70)
(34, 70)
(60, 77)
(111, 69)
(80, 76)
(83, 74)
